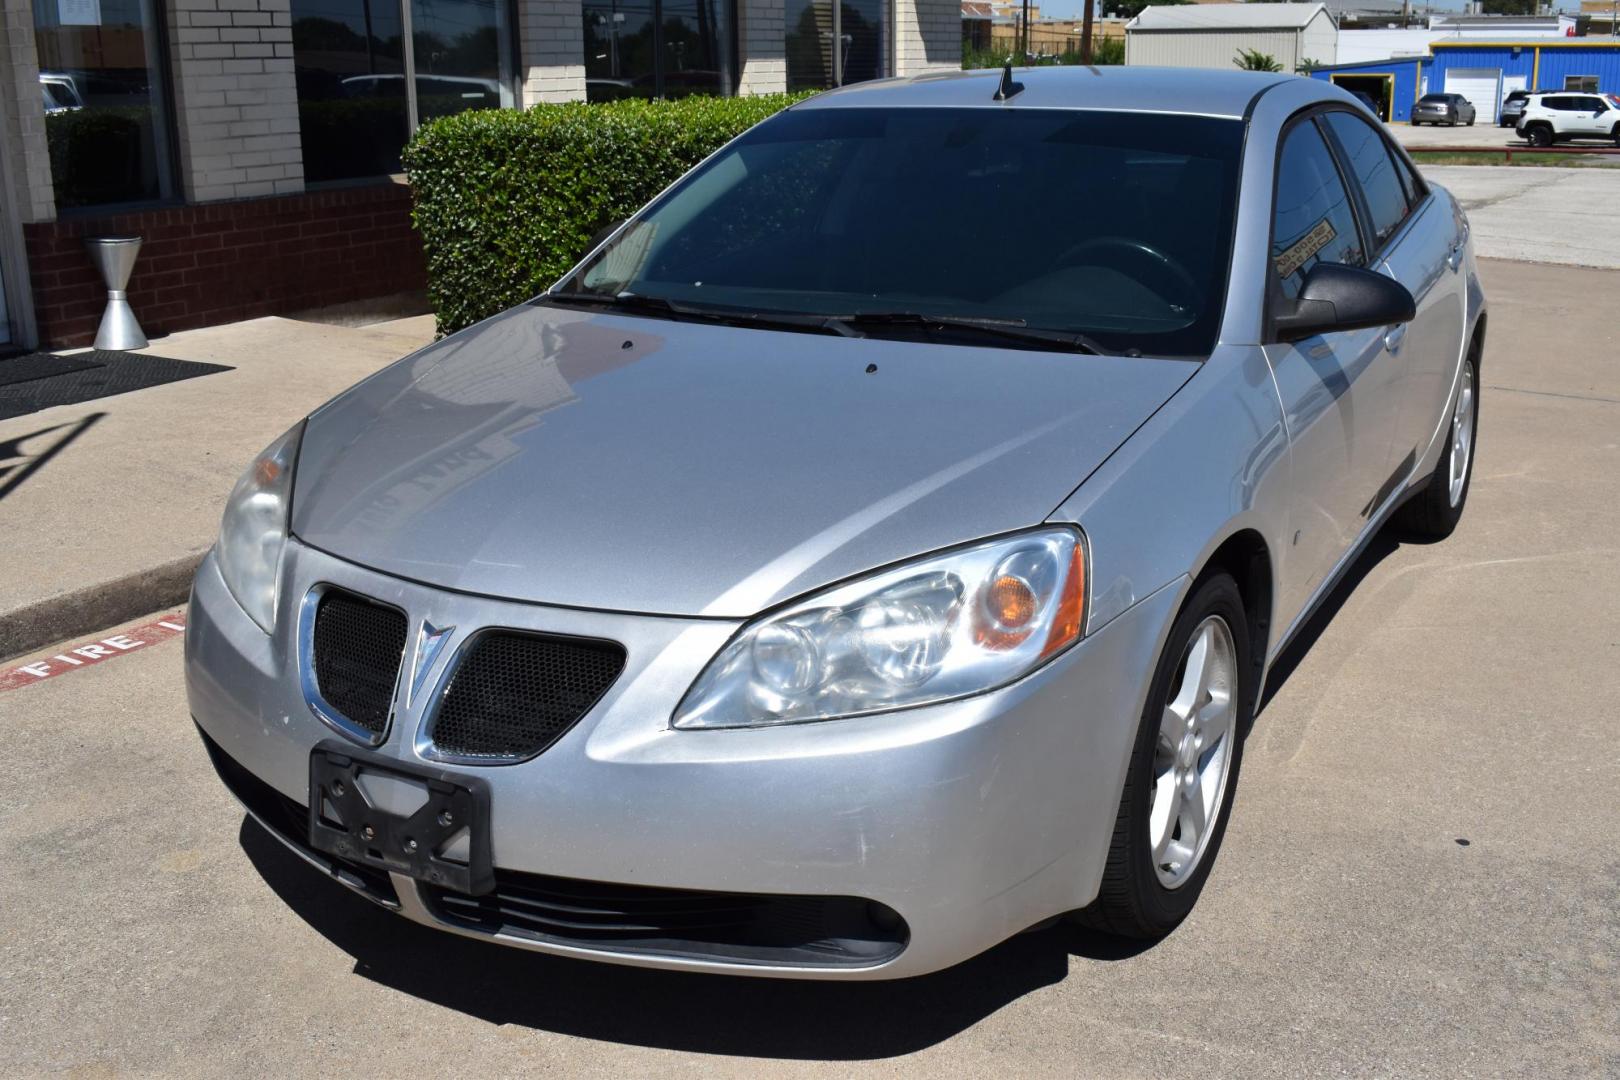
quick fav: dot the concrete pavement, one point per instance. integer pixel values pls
(110, 503)
(1420, 878)
(1538, 214)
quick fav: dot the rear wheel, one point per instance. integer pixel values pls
(1183, 770)
(1433, 513)
(1616, 135)
(1540, 135)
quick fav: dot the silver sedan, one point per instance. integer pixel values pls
(874, 548)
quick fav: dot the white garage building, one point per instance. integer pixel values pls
(1211, 35)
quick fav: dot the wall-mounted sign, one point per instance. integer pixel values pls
(78, 12)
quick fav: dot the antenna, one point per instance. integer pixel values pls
(1008, 88)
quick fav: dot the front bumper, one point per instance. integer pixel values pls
(972, 820)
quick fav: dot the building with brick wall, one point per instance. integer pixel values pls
(254, 144)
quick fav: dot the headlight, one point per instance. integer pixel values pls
(254, 529)
(942, 627)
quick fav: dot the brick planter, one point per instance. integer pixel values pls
(220, 262)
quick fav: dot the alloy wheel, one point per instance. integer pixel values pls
(1462, 435)
(1192, 755)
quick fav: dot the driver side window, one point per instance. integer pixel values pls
(1312, 220)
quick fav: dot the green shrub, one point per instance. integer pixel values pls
(506, 201)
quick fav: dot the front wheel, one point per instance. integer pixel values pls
(1616, 135)
(1183, 770)
(1433, 513)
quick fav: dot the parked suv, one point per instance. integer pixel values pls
(1448, 109)
(1513, 107)
(1549, 118)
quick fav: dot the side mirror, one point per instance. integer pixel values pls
(1336, 297)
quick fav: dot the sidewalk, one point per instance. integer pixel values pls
(119, 497)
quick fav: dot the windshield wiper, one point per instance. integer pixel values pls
(635, 303)
(1006, 329)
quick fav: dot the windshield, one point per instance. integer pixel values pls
(1110, 225)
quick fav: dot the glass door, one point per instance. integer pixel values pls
(461, 61)
(620, 53)
(811, 28)
(658, 48)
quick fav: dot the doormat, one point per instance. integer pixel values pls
(97, 373)
(26, 367)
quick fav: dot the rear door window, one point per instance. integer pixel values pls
(1312, 219)
(1374, 169)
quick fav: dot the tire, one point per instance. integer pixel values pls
(1433, 513)
(1133, 899)
(1616, 135)
(1540, 135)
(1471, 120)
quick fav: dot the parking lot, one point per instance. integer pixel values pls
(1420, 877)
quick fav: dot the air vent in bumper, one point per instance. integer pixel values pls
(797, 931)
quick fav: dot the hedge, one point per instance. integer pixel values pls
(507, 201)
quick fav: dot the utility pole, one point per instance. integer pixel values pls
(1085, 33)
(1024, 59)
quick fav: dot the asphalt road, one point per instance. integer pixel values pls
(1421, 877)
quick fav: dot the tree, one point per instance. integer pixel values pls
(1306, 66)
(1130, 9)
(1255, 60)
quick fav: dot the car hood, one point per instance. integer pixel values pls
(635, 464)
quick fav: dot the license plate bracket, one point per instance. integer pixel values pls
(346, 821)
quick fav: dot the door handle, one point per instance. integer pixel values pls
(1394, 336)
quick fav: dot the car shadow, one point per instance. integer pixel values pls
(710, 1014)
(1384, 543)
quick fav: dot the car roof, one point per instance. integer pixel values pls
(1189, 91)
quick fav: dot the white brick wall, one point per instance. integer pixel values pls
(759, 37)
(22, 116)
(235, 98)
(928, 36)
(551, 51)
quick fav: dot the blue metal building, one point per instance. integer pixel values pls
(1483, 71)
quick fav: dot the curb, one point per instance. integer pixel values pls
(95, 607)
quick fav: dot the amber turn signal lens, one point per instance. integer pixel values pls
(1071, 612)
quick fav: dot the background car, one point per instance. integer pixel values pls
(1512, 107)
(1562, 117)
(1448, 109)
(784, 592)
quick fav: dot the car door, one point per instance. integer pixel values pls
(1335, 389)
(1594, 116)
(1418, 241)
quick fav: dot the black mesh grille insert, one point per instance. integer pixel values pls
(515, 694)
(357, 647)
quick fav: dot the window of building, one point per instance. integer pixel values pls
(1374, 168)
(104, 86)
(355, 108)
(659, 48)
(1312, 221)
(811, 26)
(1584, 83)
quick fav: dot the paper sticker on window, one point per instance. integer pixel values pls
(1318, 238)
